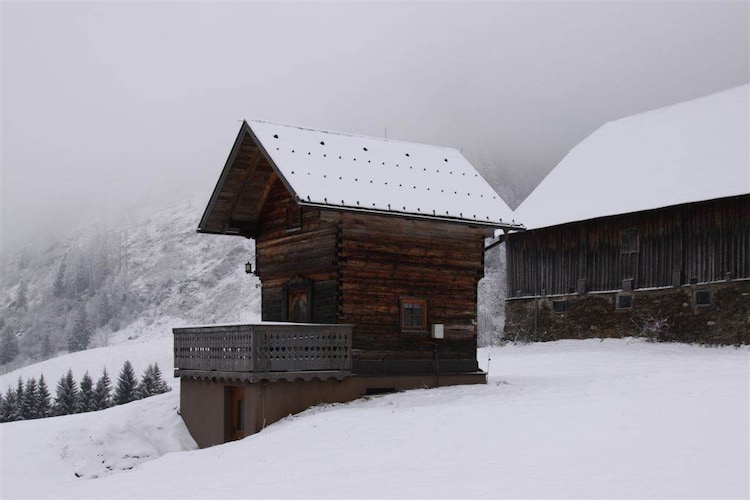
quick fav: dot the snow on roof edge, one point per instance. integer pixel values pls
(674, 149)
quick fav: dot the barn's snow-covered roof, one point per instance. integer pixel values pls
(693, 151)
(351, 172)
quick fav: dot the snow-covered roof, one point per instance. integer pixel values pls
(351, 172)
(341, 170)
(693, 151)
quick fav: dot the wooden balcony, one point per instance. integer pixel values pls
(263, 351)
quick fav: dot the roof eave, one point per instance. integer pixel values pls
(392, 213)
(222, 178)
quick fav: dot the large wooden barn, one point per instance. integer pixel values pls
(643, 229)
(369, 252)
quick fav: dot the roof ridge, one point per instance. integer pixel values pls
(356, 136)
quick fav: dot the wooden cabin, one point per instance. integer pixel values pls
(369, 252)
(642, 230)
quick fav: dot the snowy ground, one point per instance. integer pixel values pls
(570, 419)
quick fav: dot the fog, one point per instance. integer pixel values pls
(108, 106)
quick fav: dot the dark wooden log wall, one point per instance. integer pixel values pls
(697, 242)
(309, 252)
(361, 265)
(385, 258)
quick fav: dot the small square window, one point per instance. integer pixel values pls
(624, 301)
(702, 298)
(559, 306)
(413, 315)
(293, 216)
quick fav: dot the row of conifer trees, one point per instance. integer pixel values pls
(32, 399)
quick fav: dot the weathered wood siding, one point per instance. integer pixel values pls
(309, 252)
(386, 258)
(361, 265)
(698, 242)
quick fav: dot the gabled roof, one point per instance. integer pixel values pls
(693, 151)
(348, 172)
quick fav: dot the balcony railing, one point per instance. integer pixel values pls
(263, 351)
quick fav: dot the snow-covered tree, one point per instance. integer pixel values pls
(22, 301)
(29, 408)
(58, 286)
(86, 394)
(8, 345)
(125, 392)
(80, 333)
(44, 404)
(152, 382)
(66, 399)
(10, 410)
(102, 392)
(19, 397)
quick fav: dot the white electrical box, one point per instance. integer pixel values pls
(438, 331)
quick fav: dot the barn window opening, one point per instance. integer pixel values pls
(559, 306)
(624, 301)
(702, 298)
(293, 216)
(413, 314)
(629, 241)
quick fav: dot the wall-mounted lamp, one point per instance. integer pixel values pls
(248, 267)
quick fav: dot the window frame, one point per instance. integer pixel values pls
(403, 303)
(620, 307)
(293, 217)
(559, 306)
(705, 293)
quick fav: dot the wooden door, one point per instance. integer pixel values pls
(298, 306)
(236, 417)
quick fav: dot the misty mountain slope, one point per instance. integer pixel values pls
(105, 284)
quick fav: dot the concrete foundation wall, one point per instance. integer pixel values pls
(205, 409)
(666, 314)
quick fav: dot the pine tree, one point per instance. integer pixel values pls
(19, 399)
(103, 392)
(9, 411)
(125, 392)
(80, 334)
(146, 385)
(29, 409)
(8, 345)
(47, 350)
(58, 287)
(152, 382)
(86, 394)
(44, 405)
(66, 399)
(160, 385)
(22, 301)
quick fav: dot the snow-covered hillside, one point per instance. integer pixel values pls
(571, 419)
(124, 281)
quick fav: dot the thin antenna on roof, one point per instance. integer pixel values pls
(385, 131)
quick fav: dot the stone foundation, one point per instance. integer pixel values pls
(676, 314)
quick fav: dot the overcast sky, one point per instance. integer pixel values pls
(105, 105)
